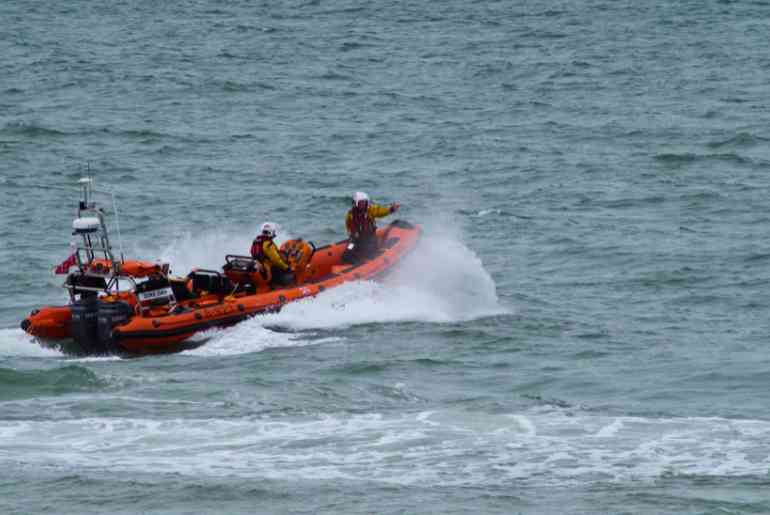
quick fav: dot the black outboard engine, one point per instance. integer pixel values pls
(111, 314)
(84, 331)
(85, 289)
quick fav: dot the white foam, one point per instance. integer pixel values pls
(204, 250)
(441, 281)
(441, 447)
(246, 337)
(207, 249)
(485, 212)
(525, 424)
(611, 429)
(94, 359)
(361, 302)
(452, 275)
(15, 342)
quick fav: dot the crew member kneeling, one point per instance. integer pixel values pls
(362, 228)
(266, 252)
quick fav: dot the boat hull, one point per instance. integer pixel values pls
(168, 333)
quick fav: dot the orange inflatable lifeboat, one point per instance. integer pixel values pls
(159, 314)
(120, 306)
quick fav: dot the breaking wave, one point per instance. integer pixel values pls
(449, 447)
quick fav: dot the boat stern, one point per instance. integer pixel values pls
(50, 322)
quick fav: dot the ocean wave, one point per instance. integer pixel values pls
(32, 130)
(757, 257)
(21, 384)
(331, 75)
(689, 158)
(545, 445)
(35, 130)
(701, 195)
(742, 139)
(477, 212)
(541, 34)
(671, 158)
(15, 342)
(490, 211)
(142, 134)
(232, 86)
(631, 202)
(371, 367)
(349, 46)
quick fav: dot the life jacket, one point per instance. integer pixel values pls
(363, 224)
(257, 248)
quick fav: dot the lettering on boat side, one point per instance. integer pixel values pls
(155, 294)
(218, 311)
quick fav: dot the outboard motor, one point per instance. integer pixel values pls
(84, 331)
(111, 314)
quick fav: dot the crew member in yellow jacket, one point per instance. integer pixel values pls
(264, 250)
(362, 228)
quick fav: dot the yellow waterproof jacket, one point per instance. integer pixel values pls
(270, 251)
(374, 211)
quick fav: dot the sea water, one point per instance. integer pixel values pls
(583, 328)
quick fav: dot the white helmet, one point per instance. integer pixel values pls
(269, 229)
(359, 197)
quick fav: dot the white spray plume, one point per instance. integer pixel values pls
(15, 342)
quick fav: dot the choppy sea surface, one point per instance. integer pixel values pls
(583, 329)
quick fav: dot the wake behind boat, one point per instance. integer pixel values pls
(132, 307)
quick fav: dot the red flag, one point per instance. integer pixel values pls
(65, 265)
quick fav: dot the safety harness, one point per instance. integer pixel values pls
(363, 224)
(257, 248)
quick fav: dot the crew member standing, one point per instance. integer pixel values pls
(362, 228)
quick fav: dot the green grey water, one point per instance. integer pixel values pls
(582, 330)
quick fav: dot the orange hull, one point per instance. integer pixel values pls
(49, 323)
